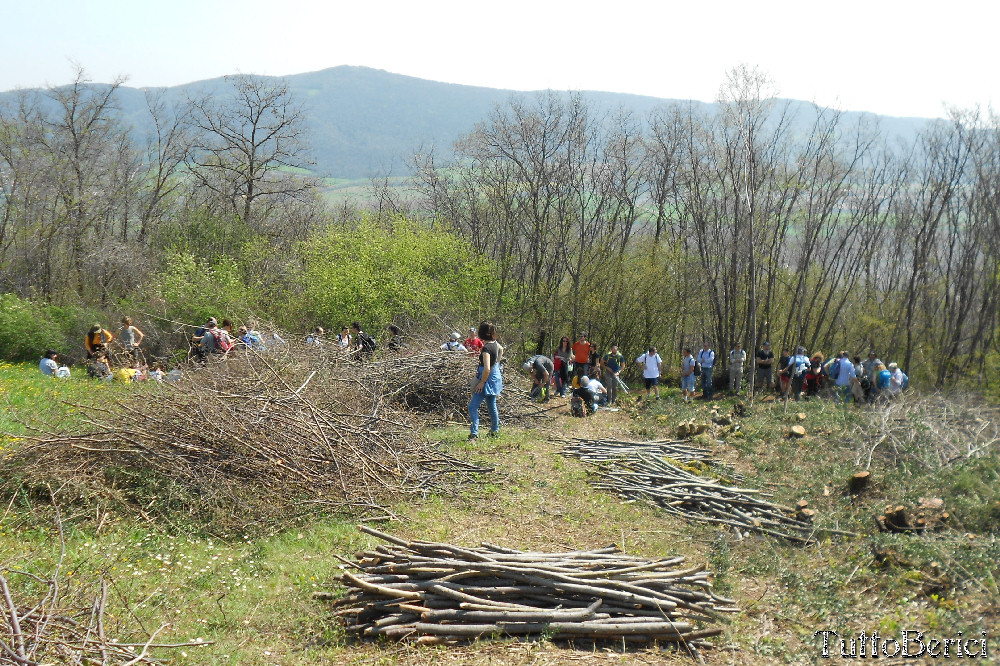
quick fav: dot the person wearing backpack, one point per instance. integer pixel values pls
(798, 366)
(215, 340)
(364, 344)
(688, 366)
(706, 359)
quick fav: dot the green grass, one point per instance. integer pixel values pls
(252, 594)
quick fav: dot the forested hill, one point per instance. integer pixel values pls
(364, 122)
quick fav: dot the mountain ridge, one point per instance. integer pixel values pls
(364, 122)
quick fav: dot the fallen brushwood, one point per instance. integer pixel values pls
(439, 384)
(253, 440)
(649, 475)
(438, 592)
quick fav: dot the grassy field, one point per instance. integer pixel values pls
(251, 595)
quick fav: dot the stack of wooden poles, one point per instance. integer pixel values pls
(436, 593)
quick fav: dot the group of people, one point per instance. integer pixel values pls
(797, 375)
(354, 340)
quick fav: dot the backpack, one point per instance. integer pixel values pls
(576, 407)
(222, 342)
(367, 342)
(906, 382)
(835, 369)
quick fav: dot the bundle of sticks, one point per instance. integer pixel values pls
(647, 474)
(605, 450)
(441, 593)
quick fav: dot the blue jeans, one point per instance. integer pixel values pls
(706, 383)
(491, 405)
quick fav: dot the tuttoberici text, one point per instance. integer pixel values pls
(911, 644)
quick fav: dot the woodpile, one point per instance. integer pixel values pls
(439, 384)
(606, 450)
(690, 428)
(438, 593)
(654, 478)
(253, 440)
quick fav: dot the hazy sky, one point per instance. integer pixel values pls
(897, 58)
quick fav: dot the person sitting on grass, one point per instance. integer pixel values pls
(99, 368)
(49, 365)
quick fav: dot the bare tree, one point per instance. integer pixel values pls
(249, 148)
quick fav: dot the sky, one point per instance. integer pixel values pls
(912, 58)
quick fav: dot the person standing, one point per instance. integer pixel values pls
(870, 366)
(613, 363)
(652, 366)
(737, 357)
(581, 355)
(131, 337)
(565, 352)
(845, 376)
(688, 364)
(798, 367)
(765, 366)
(784, 379)
(706, 357)
(344, 338)
(895, 380)
(364, 344)
(489, 383)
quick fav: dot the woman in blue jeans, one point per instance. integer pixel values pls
(489, 384)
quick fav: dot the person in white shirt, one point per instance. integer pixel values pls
(895, 380)
(652, 365)
(737, 357)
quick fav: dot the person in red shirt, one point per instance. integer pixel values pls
(581, 355)
(473, 343)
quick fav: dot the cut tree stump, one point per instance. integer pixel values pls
(859, 482)
(796, 431)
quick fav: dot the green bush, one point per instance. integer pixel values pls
(28, 328)
(377, 273)
(190, 289)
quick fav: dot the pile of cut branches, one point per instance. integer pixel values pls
(441, 593)
(251, 439)
(928, 431)
(648, 474)
(439, 384)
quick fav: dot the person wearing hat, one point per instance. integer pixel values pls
(474, 343)
(454, 344)
(97, 340)
(587, 394)
(765, 367)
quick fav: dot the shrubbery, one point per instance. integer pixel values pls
(28, 328)
(376, 273)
